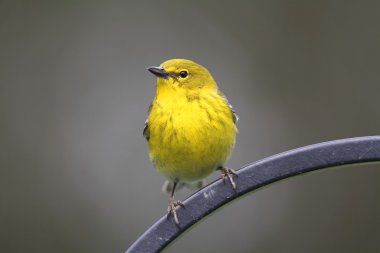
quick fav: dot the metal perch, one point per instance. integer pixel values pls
(256, 175)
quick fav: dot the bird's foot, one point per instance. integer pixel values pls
(172, 209)
(229, 173)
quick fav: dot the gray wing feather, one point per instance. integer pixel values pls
(146, 125)
(146, 130)
(235, 117)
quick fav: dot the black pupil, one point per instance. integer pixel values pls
(183, 74)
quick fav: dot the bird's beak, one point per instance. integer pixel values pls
(158, 71)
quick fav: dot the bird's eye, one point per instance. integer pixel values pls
(183, 74)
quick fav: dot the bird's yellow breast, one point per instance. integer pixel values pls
(190, 134)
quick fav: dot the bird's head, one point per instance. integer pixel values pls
(181, 74)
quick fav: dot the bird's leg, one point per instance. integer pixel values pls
(226, 172)
(173, 204)
(171, 209)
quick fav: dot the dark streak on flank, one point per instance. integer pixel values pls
(173, 133)
(191, 98)
(208, 115)
(221, 122)
(206, 111)
(163, 126)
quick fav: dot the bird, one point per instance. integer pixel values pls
(190, 129)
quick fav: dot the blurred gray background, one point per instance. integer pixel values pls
(74, 92)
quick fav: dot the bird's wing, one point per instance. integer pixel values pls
(146, 125)
(235, 116)
(146, 130)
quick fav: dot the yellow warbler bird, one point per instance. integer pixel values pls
(191, 127)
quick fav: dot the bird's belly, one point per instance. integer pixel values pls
(190, 148)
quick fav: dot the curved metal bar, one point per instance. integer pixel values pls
(254, 176)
